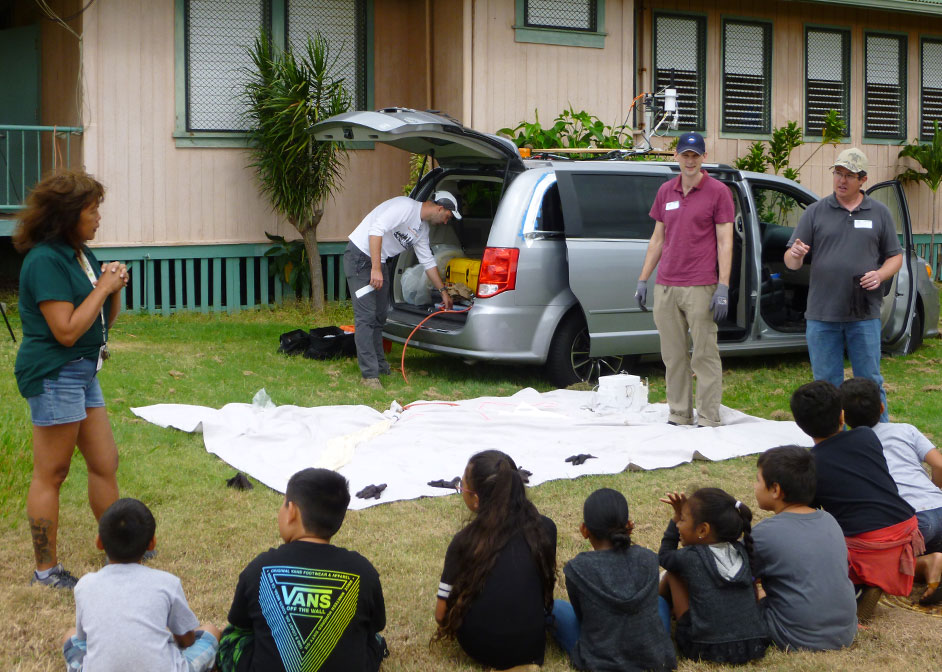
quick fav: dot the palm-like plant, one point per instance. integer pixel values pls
(929, 157)
(284, 96)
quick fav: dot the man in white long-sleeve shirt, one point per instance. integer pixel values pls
(391, 228)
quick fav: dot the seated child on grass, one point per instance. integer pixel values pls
(855, 486)
(801, 558)
(132, 617)
(612, 622)
(496, 587)
(307, 605)
(709, 580)
(905, 449)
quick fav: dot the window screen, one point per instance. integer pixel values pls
(218, 35)
(343, 24)
(747, 76)
(561, 14)
(680, 58)
(827, 76)
(931, 93)
(885, 89)
(614, 206)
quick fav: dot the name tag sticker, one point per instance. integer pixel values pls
(673, 205)
(863, 224)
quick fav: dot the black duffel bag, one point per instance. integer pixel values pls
(294, 342)
(329, 343)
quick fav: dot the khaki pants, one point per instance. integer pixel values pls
(677, 310)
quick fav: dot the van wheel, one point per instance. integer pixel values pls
(568, 361)
(915, 338)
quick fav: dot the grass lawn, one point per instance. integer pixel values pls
(206, 533)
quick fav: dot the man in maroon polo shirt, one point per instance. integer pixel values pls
(692, 246)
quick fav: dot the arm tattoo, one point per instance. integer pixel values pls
(39, 527)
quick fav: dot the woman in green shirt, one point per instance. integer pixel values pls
(67, 303)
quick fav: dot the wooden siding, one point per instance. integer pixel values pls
(788, 24)
(512, 79)
(159, 194)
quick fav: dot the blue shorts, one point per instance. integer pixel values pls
(930, 525)
(200, 657)
(65, 399)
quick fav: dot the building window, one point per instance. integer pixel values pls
(217, 35)
(827, 76)
(885, 87)
(930, 96)
(561, 14)
(680, 63)
(572, 23)
(747, 76)
(343, 24)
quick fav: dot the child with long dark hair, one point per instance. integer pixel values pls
(709, 580)
(496, 588)
(612, 622)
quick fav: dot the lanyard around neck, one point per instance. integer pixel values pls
(90, 274)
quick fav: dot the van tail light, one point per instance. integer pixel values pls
(498, 271)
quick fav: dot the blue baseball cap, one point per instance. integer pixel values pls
(691, 142)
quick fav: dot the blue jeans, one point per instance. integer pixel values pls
(827, 342)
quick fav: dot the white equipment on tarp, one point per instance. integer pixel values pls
(620, 393)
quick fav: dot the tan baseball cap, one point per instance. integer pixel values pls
(853, 160)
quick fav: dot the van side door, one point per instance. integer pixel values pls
(899, 298)
(605, 215)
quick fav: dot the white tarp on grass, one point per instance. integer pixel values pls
(432, 440)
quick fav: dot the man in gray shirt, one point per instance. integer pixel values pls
(852, 239)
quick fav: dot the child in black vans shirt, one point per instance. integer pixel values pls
(307, 604)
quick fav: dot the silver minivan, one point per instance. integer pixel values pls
(561, 244)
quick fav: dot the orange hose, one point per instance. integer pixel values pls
(402, 361)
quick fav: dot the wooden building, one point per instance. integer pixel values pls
(151, 104)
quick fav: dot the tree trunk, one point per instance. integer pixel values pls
(309, 235)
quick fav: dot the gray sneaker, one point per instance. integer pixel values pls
(58, 578)
(372, 383)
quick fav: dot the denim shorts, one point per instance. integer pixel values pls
(200, 657)
(65, 399)
(930, 524)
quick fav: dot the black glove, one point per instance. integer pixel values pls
(641, 294)
(442, 483)
(240, 482)
(580, 458)
(372, 491)
(719, 304)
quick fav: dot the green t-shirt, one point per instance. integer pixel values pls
(52, 272)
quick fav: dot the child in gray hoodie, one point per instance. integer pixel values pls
(612, 623)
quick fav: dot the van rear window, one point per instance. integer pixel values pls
(608, 205)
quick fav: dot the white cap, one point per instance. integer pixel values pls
(447, 201)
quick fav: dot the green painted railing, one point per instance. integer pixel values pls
(212, 278)
(921, 243)
(22, 161)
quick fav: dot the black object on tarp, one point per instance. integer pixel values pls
(580, 458)
(319, 343)
(442, 483)
(372, 491)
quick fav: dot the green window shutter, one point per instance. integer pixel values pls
(827, 76)
(680, 56)
(747, 76)
(885, 86)
(930, 95)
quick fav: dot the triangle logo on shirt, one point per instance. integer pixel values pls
(307, 610)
